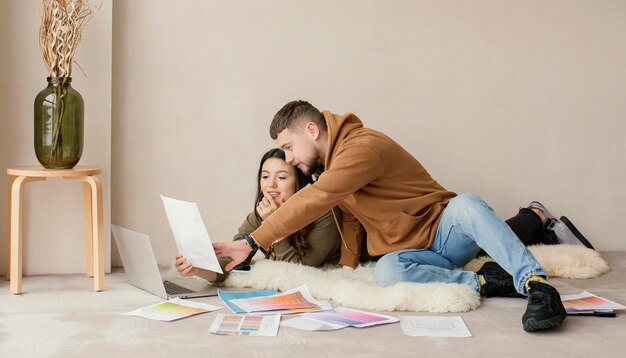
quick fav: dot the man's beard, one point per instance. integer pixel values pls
(308, 169)
(310, 165)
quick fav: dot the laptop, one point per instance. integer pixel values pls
(143, 272)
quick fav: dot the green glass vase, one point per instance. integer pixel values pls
(59, 123)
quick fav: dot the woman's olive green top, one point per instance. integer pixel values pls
(323, 239)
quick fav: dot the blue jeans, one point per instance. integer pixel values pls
(467, 225)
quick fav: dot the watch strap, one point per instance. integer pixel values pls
(253, 245)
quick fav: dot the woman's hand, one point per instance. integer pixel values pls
(185, 268)
(266, 206)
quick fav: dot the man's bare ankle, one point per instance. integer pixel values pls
(539, 213)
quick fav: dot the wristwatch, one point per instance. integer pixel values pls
(251, 242)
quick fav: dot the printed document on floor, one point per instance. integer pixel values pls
(434, 326)
(586, 301)
(337, 318)
(192, 238)
(297, 300)
(172, 310)
(245, 325)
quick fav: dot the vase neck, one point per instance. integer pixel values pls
(55, 81)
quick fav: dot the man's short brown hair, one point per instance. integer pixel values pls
(291, 113)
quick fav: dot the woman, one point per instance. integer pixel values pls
(315, 245)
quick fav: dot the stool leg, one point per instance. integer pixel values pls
(96, 224)
(88, 228)
(95, 258)
(7, 273)
(98, 242)
(16, 231)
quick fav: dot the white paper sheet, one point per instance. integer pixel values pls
(434, 326)
(192, 238)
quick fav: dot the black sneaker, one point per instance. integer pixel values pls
(498, 283)
(576, 233)
(545, 309)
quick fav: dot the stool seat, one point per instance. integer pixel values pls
(92, 199)
(35, 171)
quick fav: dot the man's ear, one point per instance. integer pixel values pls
(312, 130)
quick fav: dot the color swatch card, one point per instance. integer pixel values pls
(173, 309)
(228, 296)
(245, 325)
(586, 301)
(345, 317)
(304, 291)
(293, 301)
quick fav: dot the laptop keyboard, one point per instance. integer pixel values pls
(175, 289)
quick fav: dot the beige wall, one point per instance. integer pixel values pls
(515, 101)
(53, 213)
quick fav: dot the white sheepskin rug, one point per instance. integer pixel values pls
(359, 290)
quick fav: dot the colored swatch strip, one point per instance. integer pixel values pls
(245, 323)
(240, 325)
(293, 300)
(593, 300)
(349, 319)
(228, 296)
(251, 323)
(174, 309)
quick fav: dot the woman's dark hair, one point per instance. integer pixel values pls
(298, 239)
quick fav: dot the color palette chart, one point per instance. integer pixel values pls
(587, 301)
(172, 310)
(286, 301)
(245, 325)
(228, 296)
(349, 317)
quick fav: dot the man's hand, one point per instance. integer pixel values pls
(237, 250)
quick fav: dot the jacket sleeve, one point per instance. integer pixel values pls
(353, 167)
(323, 239)
(352, 237)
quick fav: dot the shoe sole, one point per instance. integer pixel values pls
(576, 233)
(532, 325)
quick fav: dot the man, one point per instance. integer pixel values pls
(424, 231)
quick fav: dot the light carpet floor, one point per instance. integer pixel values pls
(60, 316)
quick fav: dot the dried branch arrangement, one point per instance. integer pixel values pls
(62, 22)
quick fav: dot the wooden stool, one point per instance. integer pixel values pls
(92, 196)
